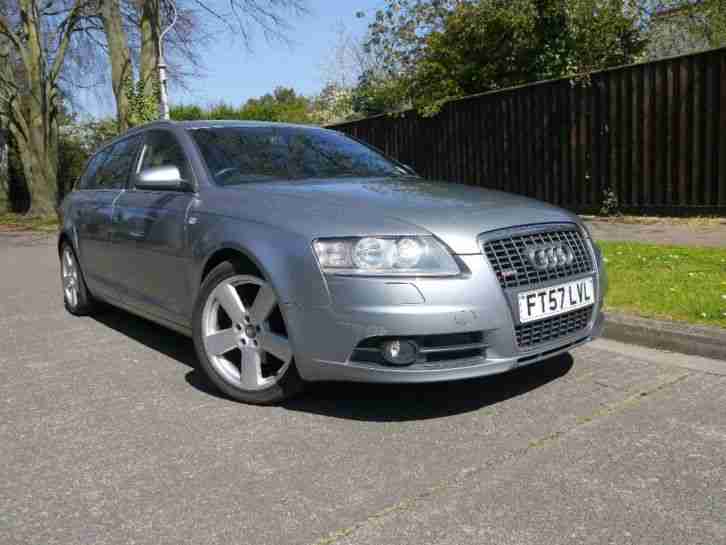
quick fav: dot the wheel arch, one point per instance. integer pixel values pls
(230, 253)
(65, 237)
(284, 260)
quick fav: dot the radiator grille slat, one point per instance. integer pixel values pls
(508, 257)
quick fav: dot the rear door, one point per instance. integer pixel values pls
(150, 227)
(103, 183)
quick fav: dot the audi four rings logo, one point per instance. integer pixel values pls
(550, 256)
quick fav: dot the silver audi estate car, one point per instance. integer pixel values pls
(293, 254)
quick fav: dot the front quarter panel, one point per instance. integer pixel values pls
(284, 258)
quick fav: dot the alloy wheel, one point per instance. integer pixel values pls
(244, 335)
(69, 273)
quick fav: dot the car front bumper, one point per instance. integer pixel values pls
(363, 308)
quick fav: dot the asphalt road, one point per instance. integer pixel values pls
(108, 434)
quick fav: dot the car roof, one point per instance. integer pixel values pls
(206, 123)
(201, 124)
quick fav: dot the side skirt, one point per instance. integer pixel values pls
(179, 328)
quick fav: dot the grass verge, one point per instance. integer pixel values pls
(669, 282)
(20, 222)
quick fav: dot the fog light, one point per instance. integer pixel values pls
(399, 352)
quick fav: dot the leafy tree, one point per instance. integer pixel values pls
(283, 105)
(77, 142)
(398, 32)
(72, 157)
(713, 22)
(677, 27)
(191, 112)
(446, 49)
(142, 103)
(332, 105)
(377, 93)
(394, 45)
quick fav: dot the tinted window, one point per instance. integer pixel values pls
(236, 155)
(163, 149)
(88, 181)
(113, 173)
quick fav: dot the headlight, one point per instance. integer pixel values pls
(385, 256)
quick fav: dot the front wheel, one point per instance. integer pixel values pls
(241, 338)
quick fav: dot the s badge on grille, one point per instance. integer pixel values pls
(550, 256)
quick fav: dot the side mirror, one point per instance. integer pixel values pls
(164, 178)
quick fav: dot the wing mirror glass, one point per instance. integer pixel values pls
(164, 178)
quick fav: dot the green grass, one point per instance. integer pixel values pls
(670, 282)
(20, 222)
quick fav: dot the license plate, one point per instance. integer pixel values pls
(546, 302)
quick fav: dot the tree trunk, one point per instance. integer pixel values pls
(35, 126)
(42, 178)
(119, 57)
(40, 173)
(149, 21)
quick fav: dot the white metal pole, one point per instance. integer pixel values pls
(164, 97)
(164, 90)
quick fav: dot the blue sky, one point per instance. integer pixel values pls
(233, 74)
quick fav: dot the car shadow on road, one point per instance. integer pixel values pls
(358, 401)
(172, 344)
(401, 402)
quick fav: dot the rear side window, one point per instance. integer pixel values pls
(88, 181)
(162, 149)
(114, 173)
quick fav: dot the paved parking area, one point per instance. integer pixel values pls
(661, 232)
(108, 434)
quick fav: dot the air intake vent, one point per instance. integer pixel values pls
(533, 334)
(432, 349)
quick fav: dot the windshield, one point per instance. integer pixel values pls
(237, 155)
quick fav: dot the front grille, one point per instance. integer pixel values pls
(507, 254)
(550, 329)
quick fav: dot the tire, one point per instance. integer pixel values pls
(241, 339)
(76, 297)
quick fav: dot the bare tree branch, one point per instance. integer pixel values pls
(67, 28)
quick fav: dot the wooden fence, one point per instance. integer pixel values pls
(654, 134)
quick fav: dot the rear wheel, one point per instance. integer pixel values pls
(241, 338)
(76, 297)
